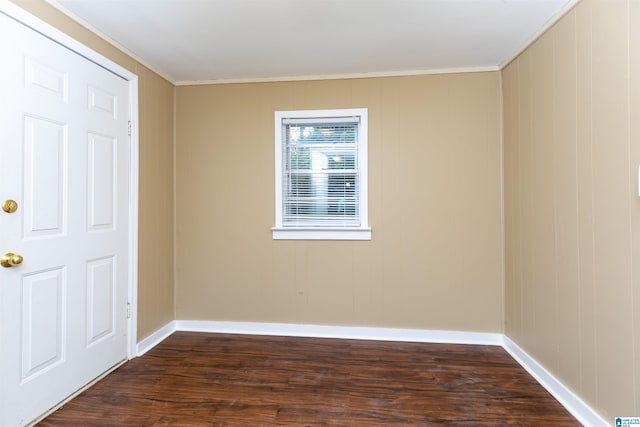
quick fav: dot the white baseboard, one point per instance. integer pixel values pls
(576, 406)
(343, 332)
(156, 338)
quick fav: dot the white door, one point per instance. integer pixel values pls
(64, 159)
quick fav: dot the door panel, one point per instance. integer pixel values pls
(65, 160)
(39, 76)
(101, 293)
(101, 100)
(45, 144)
(42, 327)
(102, 181)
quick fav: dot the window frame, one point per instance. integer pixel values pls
(321, 232)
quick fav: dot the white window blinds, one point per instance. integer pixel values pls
(320, 172)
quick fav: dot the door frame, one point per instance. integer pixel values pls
(20, 15)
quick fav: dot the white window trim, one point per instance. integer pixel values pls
(363, 232)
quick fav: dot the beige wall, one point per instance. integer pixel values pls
(156, 221)
(572, 211)
(435, 261)
(156, 294)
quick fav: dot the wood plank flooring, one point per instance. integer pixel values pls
(195, 379)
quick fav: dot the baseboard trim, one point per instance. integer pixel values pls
(576, 406)
(572, 403)
(156, 338)
(342, 332)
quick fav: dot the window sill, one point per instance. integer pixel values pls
(281, 233)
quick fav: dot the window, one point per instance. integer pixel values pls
(321, 175)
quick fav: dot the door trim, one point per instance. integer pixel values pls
(20, 15)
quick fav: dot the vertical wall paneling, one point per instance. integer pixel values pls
(634, 164)
(572, 287)
(565, 202)
(435, 260)
(156, 224)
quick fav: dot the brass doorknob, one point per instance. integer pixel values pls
(10, 260)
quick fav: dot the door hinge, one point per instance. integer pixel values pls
(128, 310)
(129, 129)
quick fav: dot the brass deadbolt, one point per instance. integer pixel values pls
(10, 206)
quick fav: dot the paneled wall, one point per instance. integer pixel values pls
(156, 296)
(435, 260)
(572, 211)
(156, 221)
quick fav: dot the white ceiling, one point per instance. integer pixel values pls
(242, 40)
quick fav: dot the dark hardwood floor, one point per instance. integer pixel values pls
(194, 379)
